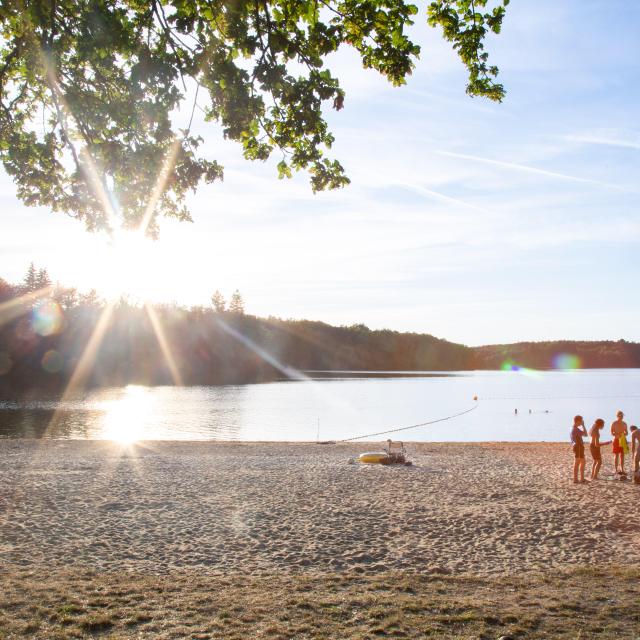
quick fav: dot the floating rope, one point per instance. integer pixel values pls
(621, 397)
(413, 426)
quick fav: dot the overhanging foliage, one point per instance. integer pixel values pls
(88, 87)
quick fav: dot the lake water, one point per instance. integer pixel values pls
(336, 406)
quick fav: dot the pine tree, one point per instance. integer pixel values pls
(218, 302)
(30, 282)
(42, 279)
(236, 304)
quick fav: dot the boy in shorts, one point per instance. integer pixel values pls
(578, 431)
(594, 447)
(618, 429)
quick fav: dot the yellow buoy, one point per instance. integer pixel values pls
(374, 457)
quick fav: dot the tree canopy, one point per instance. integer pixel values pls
(89, 88)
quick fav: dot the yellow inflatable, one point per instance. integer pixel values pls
(374, 457)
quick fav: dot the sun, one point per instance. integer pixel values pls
(125, 417)
(132, 267)
(128, 264)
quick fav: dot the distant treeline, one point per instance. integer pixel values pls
(43, 337)
(559, 354)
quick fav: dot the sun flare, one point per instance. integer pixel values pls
(125, 418)
(132, 268)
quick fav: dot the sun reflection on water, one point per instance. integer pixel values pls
(125, 418)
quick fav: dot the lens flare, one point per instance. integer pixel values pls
(47, 318)
(566, 361)
(52, 361)
(509, 365)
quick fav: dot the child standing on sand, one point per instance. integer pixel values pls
(635, 452)
(594, 447)
(619, 433)
(578, 431)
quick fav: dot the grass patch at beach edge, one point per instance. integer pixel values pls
(586, 602)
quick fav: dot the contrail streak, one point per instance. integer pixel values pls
(524, 167)
(438, 196)
(610, 142)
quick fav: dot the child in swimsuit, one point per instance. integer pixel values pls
(635, 452)
(619, 431)
(594, 447)
(578, 431)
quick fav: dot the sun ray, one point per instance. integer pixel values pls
(88, 167)
(85, 363)
(164, 344)
(16, 307)
(161, 182)
(290, 372)
(295, 332)
(75, 382)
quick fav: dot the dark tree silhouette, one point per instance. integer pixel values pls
(7, 291)
(206, 352)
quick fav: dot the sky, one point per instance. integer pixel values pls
(473, 221)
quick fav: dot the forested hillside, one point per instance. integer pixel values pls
(203, 347)
(560, 354)
(48, 332)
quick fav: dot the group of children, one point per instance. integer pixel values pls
(619, 433)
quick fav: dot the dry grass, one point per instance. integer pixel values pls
(584, 603)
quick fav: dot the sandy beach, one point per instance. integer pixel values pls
(481, 509)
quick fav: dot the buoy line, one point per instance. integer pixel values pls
(396, 430)
(621, 397)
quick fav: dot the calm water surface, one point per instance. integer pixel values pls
(339, 406)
